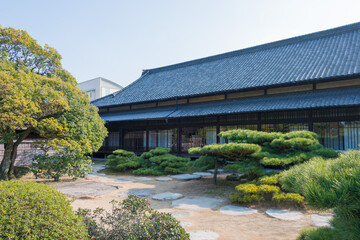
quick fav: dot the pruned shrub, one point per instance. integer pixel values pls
(159, 161)
(251, 193)
(133, 218)
(250, 169)
(270, 180)
(30, 210)
(203, 163)
(249, 136)
(122, 160)
(288, 198)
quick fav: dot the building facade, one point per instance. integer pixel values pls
(99, 87)
(310, 82)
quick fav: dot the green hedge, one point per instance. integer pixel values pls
(30, 210)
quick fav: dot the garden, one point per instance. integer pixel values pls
(257, 185)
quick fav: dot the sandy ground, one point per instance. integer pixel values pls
(255, 227)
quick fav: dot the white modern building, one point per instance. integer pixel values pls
(99, 87)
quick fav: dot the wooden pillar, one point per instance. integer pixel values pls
(179, 131)
(310, 122)
(147, 139)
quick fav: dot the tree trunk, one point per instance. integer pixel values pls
(215, 171)
(6, 162)
(10, 153)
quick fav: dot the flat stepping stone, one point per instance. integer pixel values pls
(145, 179)
(284, 214)
(237, 211)
(196, 203)
(203, 174)
(83, 188)
(164, 179)
(203, 235)
(321, 219)
(116, 180)
(186, 177)
(167, 196)
(185, 224)
(138, 192)
(220, 171)
(181, 214)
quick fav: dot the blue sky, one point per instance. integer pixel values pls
(117, 39)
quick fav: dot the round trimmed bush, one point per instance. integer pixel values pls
(30, 210)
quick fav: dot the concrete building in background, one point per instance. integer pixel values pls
(99, 87)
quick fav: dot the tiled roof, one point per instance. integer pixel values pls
(327, 54)
(302, 100)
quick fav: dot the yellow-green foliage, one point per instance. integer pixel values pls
(249, 136)
(122, 160)
(30, 210)
(270, 180)
(288, 197)
(251, 192)
(38, 95)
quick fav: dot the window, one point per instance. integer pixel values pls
(114, 138)
(197, 137)
(284, 127)
(135, 140)
(339, 135)
(91, 94)
(163, 138)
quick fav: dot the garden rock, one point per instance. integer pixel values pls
(196, 203)
(164, 179)
(181, 214)
(284, 214)
(235, 210)
(202, 174)
(167, 196)
(138, 192)
(203, 235)
(321, 219)
(83, 188)
(186, 177)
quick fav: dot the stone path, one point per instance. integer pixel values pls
(143, 192)
(96, 168)
(167, 196)
(84, 188)
(322, 219)
(196, 203)
(284, 214)
(164, 179)
(237, 211)
(186, 177)
(115, 180)
(203, 235)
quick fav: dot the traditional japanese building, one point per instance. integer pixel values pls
(310, 82)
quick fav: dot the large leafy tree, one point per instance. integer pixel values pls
(38, 96)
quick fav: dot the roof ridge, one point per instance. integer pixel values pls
(292, 40)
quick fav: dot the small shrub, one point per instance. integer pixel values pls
(122, 160)
(251, 192)
(30, 210)
(203, 163)
(288, 198)
(56, 166)
(155, 170)
(132, 218)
